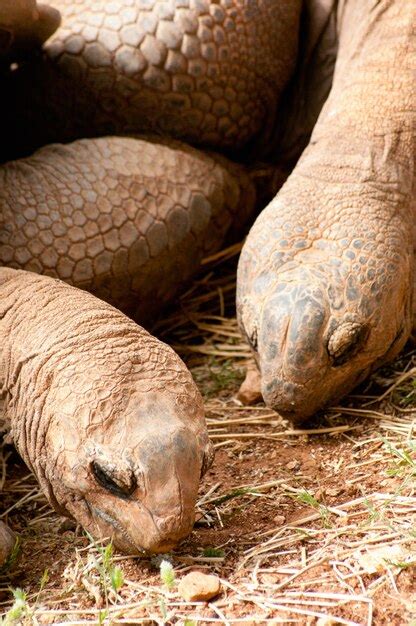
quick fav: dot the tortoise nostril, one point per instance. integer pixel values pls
(345, 341)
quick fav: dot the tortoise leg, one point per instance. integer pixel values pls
(7, 543)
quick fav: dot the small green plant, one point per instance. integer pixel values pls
(404, 461)
(167, 574)
(308, 498)
(117, 579)
(405, 394)
(109, 573)
(234, 493)
(13, 556)
(102, 615)
(43, 581)
(21, 608)
(403, 455)
(304, 534)
(373, 514)
(190, 622)
(110, 577)
(400, 564)
(18, 611)
(213, 552)
(221, 375)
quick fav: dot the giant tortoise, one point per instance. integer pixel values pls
(326, 276)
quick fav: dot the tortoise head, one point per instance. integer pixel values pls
(107, 416)
(124, 456)
(319, 327)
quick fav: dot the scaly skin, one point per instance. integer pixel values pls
(92, 398)
(127, 219)
(23, 24)
(81, 381)
(326, 277)
(206, 72)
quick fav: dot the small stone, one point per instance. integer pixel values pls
(279, 519)
(293, 465)
(197, 586)
(333, 491)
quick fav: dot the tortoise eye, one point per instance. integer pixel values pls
(106, 481)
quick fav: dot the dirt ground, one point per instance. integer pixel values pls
(311, 526)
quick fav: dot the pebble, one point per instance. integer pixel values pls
(293, 465)
(197, 586)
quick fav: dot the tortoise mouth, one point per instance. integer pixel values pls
(123, 540)
(121, 537)
(309, 353)
(291, 400)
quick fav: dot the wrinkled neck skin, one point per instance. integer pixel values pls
(107, 417)
(326, 277)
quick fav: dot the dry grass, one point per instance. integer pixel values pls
(335, 545)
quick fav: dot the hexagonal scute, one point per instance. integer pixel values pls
(128, 219)
(128, 72)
